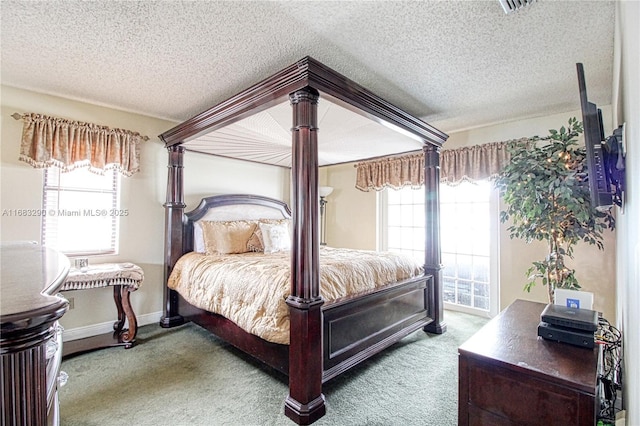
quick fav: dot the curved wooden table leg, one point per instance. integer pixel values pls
(125, 327)
(128, 335)
(117, 297)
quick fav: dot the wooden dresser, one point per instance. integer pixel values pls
(30, 339)
(508, 376)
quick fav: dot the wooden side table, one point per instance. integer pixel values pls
(124, 278)
(508, 375)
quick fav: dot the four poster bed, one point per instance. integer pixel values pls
(326, 330)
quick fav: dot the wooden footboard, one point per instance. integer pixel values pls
(356, 329)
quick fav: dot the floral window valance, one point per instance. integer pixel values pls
(456, 165)
(390, 172)
(51, 141)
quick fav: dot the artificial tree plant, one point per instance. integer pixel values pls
(545, 188)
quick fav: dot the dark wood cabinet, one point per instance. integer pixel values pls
(30, 339)
(508, 375)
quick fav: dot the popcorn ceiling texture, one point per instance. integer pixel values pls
(455, 64)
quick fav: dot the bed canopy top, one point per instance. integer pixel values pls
(255, 125)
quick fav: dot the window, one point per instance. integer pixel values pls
(81, 211)
(405, 222)
(468, 229)
(466, 235)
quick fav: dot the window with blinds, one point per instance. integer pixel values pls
(81, 211)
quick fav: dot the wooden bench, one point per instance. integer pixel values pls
(124, 278)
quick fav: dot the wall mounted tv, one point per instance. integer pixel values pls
(605, 156)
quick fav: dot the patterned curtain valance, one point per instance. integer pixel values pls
(391, 172)
(476, 162)
(456, 165)
(51, 141)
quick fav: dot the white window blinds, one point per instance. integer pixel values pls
(82, 212)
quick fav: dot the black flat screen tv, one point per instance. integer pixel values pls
(603, 157)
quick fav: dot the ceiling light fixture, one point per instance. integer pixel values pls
(514, 5)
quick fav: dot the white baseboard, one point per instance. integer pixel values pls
(106, 327)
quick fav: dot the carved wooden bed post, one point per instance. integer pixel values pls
(433, 256)
(305, 402)
(174, 208)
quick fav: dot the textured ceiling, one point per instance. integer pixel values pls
(454, 64)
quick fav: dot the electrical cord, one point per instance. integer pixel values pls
(609, 340)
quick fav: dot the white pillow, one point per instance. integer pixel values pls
(198, 238)
(275, 237)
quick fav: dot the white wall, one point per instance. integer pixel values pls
(628, 261)
(142, 232)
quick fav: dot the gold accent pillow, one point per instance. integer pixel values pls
(227, 237)
(255, 241)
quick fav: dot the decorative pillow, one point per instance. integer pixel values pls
(275, 237)
(227, 237)
(256, 241)
(198, 238)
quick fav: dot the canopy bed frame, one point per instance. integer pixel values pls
(318, 350)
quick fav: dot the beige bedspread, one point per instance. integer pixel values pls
(250, 288)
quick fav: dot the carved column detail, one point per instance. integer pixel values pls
(24, 383)
(174, 209)
(305, 402)
(433, 255)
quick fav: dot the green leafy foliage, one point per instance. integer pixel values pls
(546, 190)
